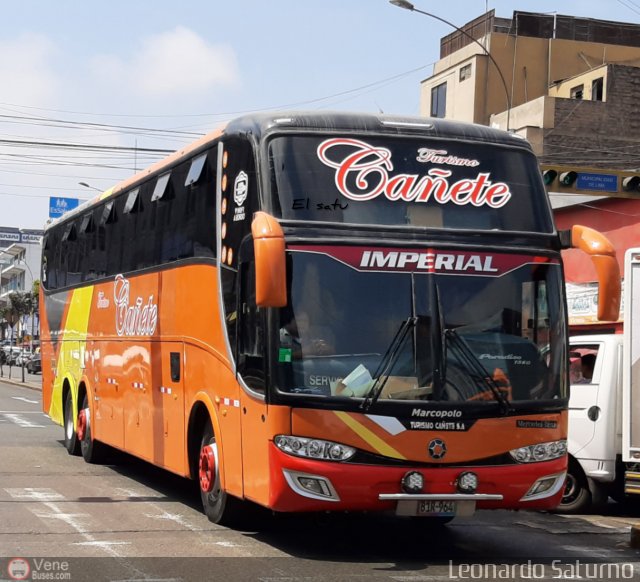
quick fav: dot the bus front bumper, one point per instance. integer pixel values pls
(301, 484)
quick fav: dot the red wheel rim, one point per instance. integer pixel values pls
(207, 468)
(82, 423)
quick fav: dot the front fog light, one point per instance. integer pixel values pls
(467, 482)
(412, 482)
(314, 485)
(546, 486)
(311, 486)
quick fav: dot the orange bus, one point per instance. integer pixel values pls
(323, 312)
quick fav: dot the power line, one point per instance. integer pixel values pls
(68, 124)
(39, 195)
(62, 145)
(629, 7)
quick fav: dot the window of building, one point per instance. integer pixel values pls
(597, 89)
(439, 100)
(577, 92)
(465, 72)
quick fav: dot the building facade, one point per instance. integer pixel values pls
(571, 87)
(20, 255)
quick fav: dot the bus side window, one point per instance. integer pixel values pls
(251, 345)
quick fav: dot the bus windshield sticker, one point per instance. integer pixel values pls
(363, 172)
(418, 260)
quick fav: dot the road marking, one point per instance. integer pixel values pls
(23, 412)
(179, 519)
(24, 399)
(21, 422)
(71, 519)
(101, 544)
(126, 492)
(34, 494)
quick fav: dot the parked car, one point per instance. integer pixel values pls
(34, 364)
(23, 356)
(10, 354)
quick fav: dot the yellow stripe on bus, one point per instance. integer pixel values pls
(72, 346)
(368, 436)
(77, 323)
(106, 194)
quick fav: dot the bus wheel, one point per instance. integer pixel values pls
(218, 506)
(71, 442)
(92, 450)
(576, 497)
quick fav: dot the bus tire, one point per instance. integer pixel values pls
(576, 497)
(71, 442)
(92, 450)
(218, 505)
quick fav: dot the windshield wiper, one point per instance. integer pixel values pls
(475, 369)
(438, 341)
(388, 361)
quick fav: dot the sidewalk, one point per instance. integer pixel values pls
(33, 381)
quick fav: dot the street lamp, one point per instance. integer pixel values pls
(89, 186)
(408, 6)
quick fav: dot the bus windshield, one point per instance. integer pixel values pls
(490, 334)
(407, 181)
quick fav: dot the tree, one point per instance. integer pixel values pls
(4, 321)
(34, 306)
(19, 304)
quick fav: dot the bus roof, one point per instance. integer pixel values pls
(259, 124)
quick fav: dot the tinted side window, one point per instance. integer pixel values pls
(166, 218)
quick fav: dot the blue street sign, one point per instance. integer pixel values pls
(58, 206)
(597, 182)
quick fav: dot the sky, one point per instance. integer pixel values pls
(113, 85)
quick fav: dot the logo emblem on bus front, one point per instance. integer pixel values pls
(437, 449)
(240, 188)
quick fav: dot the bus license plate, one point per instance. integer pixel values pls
(445, 508)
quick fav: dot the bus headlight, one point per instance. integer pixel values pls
(540, 452)
(313, 448)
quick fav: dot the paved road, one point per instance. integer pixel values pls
(15, 375)
(128, 520)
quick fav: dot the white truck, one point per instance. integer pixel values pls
(595, 428)
(604, 410)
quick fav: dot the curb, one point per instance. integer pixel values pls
(18, 382)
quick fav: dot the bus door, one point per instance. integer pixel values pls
(250, 361)
(168, 405)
